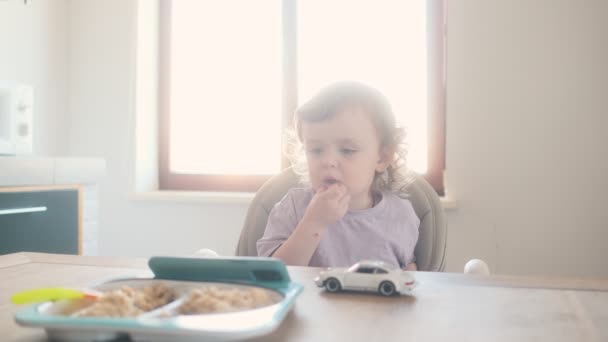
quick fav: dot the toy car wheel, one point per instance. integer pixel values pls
(386, 288)
(332, 285)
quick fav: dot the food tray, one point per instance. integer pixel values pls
(266, 276)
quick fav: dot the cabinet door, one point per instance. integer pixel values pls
(39, 221)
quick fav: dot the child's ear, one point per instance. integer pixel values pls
(387, 155)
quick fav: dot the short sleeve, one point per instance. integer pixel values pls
(411, 226)
(282, 221)
(401, 216)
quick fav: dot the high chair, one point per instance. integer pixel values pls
(430, 249)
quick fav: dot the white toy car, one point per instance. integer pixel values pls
(367, 276)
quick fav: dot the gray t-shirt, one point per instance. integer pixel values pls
(387, 232)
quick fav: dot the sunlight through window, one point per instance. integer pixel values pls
(381, 43)
(226, 87)
(226, 95)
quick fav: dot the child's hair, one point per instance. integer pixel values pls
(348, 94)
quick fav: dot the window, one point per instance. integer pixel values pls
(365, 270)
(380, 271)
(233, 72)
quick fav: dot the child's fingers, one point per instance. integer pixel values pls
(338, 189)
(342, 193)
(344, 200)
(335, 195)
(335, 192)
(328, 192)
(321, 189)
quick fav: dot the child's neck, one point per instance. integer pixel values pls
(362, 202)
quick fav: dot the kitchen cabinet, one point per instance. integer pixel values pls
(40, 219)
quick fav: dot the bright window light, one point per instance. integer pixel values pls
(226, 87)
(379, 42)
(226, 74)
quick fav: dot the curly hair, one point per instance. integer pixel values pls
(338, 97)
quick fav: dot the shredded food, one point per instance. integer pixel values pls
(128, 302)
(215, 300)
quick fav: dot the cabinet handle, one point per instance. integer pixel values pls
(21, 210)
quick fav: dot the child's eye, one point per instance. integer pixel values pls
(315, 150)
(348, 151)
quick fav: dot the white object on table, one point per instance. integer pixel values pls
(206, 252)
(476, 266)
(367, 275)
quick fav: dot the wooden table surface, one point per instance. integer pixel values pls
(445, 306)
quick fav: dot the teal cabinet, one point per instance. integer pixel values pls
(39, 221)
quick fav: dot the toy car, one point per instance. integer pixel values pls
(367, 276)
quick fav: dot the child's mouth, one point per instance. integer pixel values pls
(330, 181)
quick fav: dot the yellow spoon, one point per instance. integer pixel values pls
(52, 293)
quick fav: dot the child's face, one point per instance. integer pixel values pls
(344, 149)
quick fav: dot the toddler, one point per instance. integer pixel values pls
(351, 157)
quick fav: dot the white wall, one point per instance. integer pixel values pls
(101, 118)
(525, 149)
(33, 50)
(527, 152)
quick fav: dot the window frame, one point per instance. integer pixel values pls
(436, 28)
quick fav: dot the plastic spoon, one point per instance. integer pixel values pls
(53, 293)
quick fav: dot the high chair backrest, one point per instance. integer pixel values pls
(430, 249)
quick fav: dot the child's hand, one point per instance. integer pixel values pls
(328, 205)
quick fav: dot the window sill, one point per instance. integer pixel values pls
(194, 197)
(223, 197)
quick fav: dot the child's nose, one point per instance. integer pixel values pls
(330, 159)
